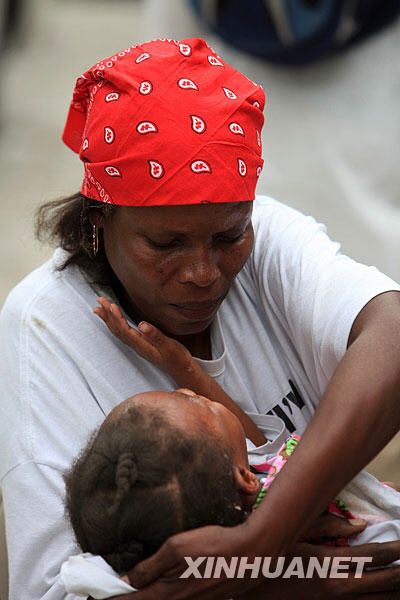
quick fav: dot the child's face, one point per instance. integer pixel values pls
(189, 411)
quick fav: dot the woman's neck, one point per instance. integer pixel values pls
(198, 344)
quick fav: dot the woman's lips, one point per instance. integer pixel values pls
(198, 310)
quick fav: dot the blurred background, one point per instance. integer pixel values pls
(331, 138)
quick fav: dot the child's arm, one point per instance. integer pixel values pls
(174, 359)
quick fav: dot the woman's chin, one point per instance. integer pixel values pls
(184, 320)
(187, 328)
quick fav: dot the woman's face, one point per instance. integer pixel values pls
(177, 263)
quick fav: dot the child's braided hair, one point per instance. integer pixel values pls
(140, 480)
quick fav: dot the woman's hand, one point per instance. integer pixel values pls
(165, 353)
(163, 569)
(380, 584)
(160, 573)
(329, 527)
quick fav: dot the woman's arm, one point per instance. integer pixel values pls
(357, 416)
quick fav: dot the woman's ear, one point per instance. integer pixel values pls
(96, 217)
(246, 481)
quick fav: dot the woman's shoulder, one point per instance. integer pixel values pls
(281, 232)
(44, 290)
(270, 214)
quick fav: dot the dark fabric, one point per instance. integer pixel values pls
(313, 26)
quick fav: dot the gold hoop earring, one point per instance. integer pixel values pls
(95, 240)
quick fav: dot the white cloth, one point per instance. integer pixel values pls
(379, 505)
(364, 495)
(89, 575)
(276, 341)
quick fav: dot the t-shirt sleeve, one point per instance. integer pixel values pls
(38, 535)
(47, 412)
(310, 291)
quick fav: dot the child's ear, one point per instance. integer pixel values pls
(246, 481)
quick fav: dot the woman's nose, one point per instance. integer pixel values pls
(203, 271)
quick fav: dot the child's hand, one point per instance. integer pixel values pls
(165, 353)
(174, 359)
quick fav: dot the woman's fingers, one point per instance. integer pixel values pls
(355, 581)
(170, 560)
(381, 581)
(333, 527)
(161, 573)
(154, 567)
(382, 553)
(317, 589)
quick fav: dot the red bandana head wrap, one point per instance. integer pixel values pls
(166, 122)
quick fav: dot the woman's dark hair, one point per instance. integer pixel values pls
(140, 480)
(65, 222)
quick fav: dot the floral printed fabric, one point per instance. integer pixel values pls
(272, 467)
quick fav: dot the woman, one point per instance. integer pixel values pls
(169, 135)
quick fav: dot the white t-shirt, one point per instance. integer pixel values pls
(276, 341)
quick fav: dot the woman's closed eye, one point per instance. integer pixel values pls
(163, 245)
(228, 239)
(175, 242)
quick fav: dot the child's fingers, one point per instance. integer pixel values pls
(159, 340)
(116, 312)
(152, 334)
(100, 312)
(126, 332)
(172, 353)
(103, 311)
(164, 345)
(104, 303)
(112, 317)
(120, 327)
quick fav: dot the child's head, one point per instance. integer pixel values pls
(162, 462)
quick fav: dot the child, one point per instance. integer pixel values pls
(164, 462)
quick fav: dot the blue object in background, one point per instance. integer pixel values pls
(295, 31)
